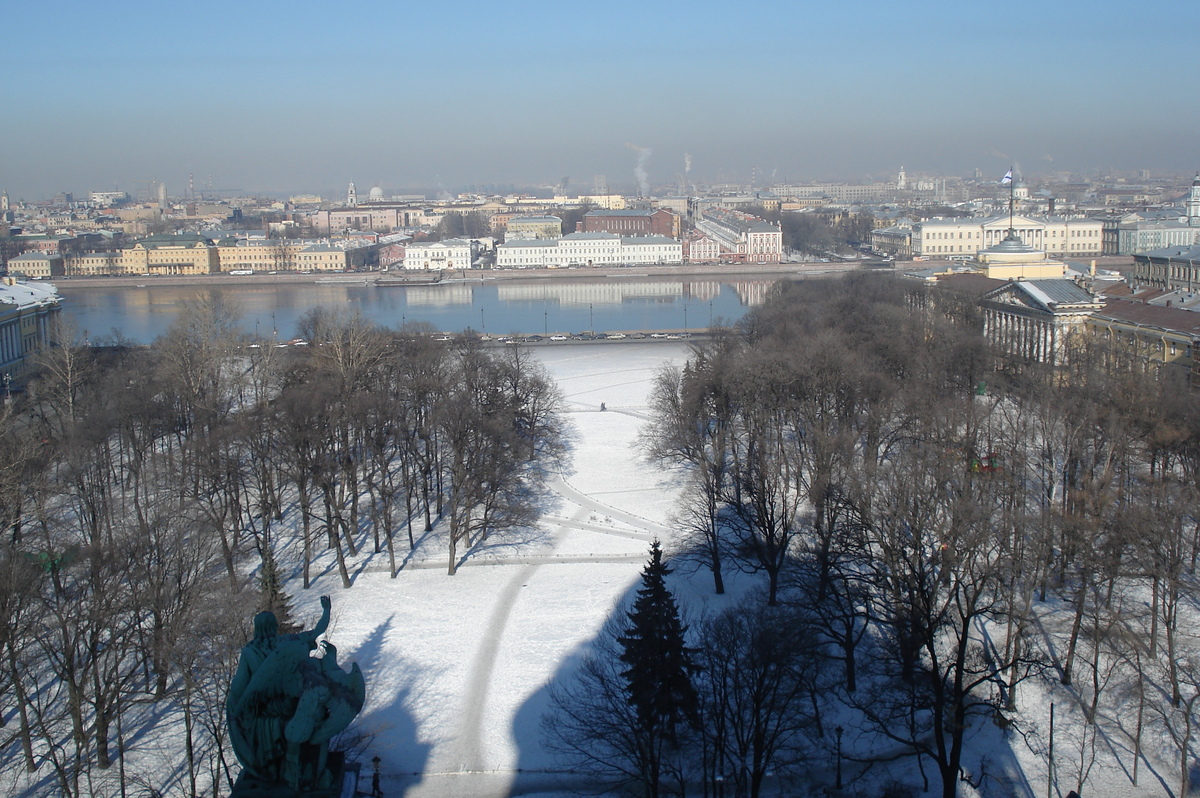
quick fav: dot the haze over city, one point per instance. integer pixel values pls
(281, 98)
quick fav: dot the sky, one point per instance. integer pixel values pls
(282, 97)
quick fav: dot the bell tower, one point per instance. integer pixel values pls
(351, 197)
(1192, 203)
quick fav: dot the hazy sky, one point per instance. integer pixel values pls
(302, 96)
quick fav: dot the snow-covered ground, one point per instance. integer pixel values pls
(456, 666)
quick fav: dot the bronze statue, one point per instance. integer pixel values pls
(284, 705)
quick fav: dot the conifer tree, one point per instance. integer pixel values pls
(272, 596)
(659, 671)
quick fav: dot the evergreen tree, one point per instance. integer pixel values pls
(658, 676)
(272, 596)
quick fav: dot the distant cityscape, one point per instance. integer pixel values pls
(985, 234)
(910, 217)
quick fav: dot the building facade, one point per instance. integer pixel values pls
(742, 238)
(532, 227)
(963, 238)
(1172, 268)
(699, 248)
(1036, 319)
(27, 321)
(589, 249)
(453, 253)
(660, 222)
(186, 253)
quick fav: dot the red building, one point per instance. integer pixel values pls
(632, 223)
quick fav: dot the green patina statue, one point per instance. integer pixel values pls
(284, 705)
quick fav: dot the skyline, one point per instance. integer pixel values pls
(284, 98)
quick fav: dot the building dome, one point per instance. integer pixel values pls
(376, 194)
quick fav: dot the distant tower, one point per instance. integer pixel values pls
(600, 185)
(3, 201)
(1192, 204)
(901, 180)
(162, 196)
(351, 197)
(191, 187)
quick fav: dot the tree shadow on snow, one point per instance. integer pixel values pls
(386, 727)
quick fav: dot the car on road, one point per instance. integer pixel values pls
(638, 336)
(617, 337)
(658, 335)
(558, 337)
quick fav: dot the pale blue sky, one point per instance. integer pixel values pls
(291, 96)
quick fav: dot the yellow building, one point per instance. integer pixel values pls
(1012, 259)
(323, 258)
(533, 227)
(186, 253)
(93, 264)
(1150, 337)
(264, 255)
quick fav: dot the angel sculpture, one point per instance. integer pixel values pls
(284, 705)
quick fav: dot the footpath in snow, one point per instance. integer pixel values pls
(457, 667)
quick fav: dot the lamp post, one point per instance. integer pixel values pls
(591, 327)
(482, 326)
(685, 324)
(545, 322)
(838, 732)
(376, 790)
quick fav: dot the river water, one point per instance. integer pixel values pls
(496, 307)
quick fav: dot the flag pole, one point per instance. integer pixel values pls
(1011, 193)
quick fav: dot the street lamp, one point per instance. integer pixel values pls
(838, 732)
(545, 322)
(591, 327)
(685, 324)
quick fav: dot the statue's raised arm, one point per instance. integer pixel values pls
(322, 624)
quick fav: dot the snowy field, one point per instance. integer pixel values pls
(456, 666)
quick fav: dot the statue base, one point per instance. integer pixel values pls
(248, 786)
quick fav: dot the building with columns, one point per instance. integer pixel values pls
(27, 314)
(963, 238)
(453, 253)
(1036, 319)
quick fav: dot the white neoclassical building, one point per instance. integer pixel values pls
(963, 238)
(589, 249)
(453, 253)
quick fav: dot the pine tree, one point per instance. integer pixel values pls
(660, 668)
(272, 597)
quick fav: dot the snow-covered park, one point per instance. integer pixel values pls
(457, 666)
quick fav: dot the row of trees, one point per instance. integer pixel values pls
(919, 505)
(154, 497)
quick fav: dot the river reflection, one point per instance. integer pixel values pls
(498, 307)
